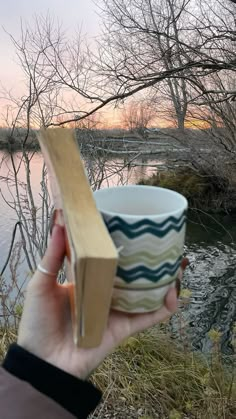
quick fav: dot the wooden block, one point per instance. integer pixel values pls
(91, 255)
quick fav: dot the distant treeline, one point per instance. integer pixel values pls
(102, 137)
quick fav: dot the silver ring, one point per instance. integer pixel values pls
(44, 271)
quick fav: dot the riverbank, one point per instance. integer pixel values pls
(118, 142)
(208, 193)
(151, 376)
(208, 187)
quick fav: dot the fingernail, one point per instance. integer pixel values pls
(178, 286)
(52, 221)
(185, 263)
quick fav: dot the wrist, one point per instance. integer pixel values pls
(52, 381)
(81, 371)
(55, 358)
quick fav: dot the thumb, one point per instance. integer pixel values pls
(53, 258)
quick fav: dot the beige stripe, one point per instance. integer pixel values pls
(149, 286)
(145, 303)
(150, 260)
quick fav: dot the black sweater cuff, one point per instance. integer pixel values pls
(76, 396)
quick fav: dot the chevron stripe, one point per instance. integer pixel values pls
(144, 285)
(122, 224)
(147, 230)
(155, 275)
(151, 260)
(144, 304)
(148, 243)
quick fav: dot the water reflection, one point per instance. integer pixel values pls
(119, 171)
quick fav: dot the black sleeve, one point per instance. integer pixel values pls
(79, 397)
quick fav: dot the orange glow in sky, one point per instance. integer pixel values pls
(196, 123)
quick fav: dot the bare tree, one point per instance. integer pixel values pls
(146, 43)
(169, 45)
(51, 67)
(137, 115)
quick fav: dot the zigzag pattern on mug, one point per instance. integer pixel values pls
(144, 303)
(153, 275)
(152, 244)
(146, 226)
(151, 260)
(148, 285)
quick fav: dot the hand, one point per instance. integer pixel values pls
(46, 330)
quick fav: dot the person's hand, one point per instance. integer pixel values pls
(46, 329)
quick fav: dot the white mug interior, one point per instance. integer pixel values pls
(139, 201)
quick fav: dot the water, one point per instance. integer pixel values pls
(8, 216)
(211, 279)
(210, 247)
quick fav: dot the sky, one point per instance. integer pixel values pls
(73, 14)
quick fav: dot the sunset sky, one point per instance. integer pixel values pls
(80, 14)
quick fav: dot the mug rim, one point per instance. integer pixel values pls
(183, 207)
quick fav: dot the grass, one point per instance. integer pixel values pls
(7, 336)
(150, 376)
(159, 379)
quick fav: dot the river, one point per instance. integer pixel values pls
(210, 247)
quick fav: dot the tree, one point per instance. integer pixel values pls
(137, 115)
(51, 66)
(167, 44)
(164, 45)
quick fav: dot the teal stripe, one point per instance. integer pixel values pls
(144, 222)
(147, 230)
(154, 275)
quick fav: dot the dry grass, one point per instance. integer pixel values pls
(154, 378)
(151, 377)
(7, 336)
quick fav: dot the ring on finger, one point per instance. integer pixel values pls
(45, 271)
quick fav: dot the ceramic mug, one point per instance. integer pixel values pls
(147, 225)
